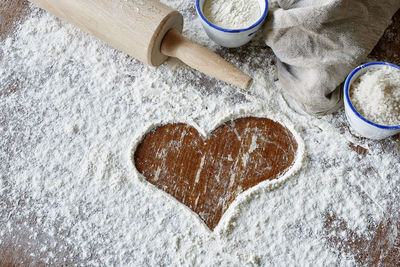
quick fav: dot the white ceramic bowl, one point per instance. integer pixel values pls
(360, 124)
(231, 37)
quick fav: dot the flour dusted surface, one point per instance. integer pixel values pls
(72, 109)
(232, 14)
(376, 95)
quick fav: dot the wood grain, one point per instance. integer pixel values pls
(382, 249)
(11, 12)
(208, 174)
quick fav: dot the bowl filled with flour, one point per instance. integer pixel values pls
(232, 23)
(372, 100)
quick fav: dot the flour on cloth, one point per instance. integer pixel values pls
(318, 43)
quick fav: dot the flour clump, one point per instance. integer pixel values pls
(376, 95)
(232, 14)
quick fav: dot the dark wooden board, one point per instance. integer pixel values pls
(382, 249)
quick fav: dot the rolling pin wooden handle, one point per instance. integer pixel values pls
(203, 59)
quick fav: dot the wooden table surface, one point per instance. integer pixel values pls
(386, 240)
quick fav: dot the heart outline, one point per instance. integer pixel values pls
(233, 208)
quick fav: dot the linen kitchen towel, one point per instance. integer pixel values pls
(319, 42)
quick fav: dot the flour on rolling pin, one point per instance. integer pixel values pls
(232, 14)
(147, 30)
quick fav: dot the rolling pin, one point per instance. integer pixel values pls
(146, 30)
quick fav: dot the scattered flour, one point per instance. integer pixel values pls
(232, 14)
(71, 111)
(376, 95)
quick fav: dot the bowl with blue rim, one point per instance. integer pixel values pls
(360, 124)
(231, 37)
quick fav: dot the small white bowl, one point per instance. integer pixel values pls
(231, 37)
(360, 124)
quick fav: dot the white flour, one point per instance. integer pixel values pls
(232, 14)
(376, 95)
(68, 189)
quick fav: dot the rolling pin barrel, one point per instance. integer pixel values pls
(139, 28)
(134, 27)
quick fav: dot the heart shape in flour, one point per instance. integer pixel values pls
(207, 175)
